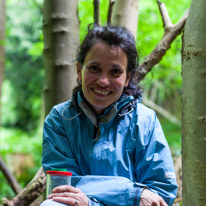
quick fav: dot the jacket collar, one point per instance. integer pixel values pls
(123, 106)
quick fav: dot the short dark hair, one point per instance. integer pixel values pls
(118, 36)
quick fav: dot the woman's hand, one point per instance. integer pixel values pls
(69, 195)
(149, 198)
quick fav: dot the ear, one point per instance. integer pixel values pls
(129, 75)
(79, 71)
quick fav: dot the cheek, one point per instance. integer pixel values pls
(87, 79)
(121, 83)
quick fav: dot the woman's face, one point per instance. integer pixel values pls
(103, 75)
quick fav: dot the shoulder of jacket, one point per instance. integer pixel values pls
(145, 113)
(57, 110)
(61, 106)
(142, 108)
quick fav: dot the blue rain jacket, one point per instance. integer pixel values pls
(117, 154)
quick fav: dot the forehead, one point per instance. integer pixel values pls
(103, 49)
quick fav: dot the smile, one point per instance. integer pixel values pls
(101, 92)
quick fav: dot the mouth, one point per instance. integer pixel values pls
(101, 92)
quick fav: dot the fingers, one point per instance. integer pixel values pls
(149, 198)
(69, 195)
(65, 188)
(163, 203)
(65, 200)
(63, 194)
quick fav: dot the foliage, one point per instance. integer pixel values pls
(15, 141)
(5, 189)
(86, 15)
(173, 135)
(24, 65)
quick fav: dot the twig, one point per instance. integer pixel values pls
(10, 178)
(161, 111)
(110, 9)
(170, 33)
(179, 199)
(164, 14)
(96, 12)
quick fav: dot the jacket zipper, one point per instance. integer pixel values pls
(97, 132)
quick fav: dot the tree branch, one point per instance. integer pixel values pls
(96, 12)
(32, 191)
(164, 14)
(10, 178)
(170, 33)
(161, 111)
(110, 9)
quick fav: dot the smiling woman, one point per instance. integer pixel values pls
(105, 135)
(103, 77)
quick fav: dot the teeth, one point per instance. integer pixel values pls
(101, 92)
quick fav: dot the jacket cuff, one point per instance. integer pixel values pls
(93, 201)
(138, 196)
(138, 192)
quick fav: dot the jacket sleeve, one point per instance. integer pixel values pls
(154, 164)
(110, 190)
(56, 148)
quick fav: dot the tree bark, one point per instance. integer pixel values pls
(61, 31)
(125, 13)
(96, 12)
(110, 11)
(2, 51)
(30, 192)
(193, 106)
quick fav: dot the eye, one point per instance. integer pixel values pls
(94, 69)
(116, 72)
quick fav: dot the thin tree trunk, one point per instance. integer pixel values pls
(193, 106)
(10, 178)
(61, 31)
(2, 51)
(125, 13)
(96, 12)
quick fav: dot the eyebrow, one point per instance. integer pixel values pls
(96, 63)
(118, 66)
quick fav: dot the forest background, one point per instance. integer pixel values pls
(22, 92)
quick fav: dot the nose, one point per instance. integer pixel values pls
(103, 81)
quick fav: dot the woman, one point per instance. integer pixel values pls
(105, 134)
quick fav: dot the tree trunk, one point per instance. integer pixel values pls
(125, 13)
(193, 106)
(61, 31)
(2, 52)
